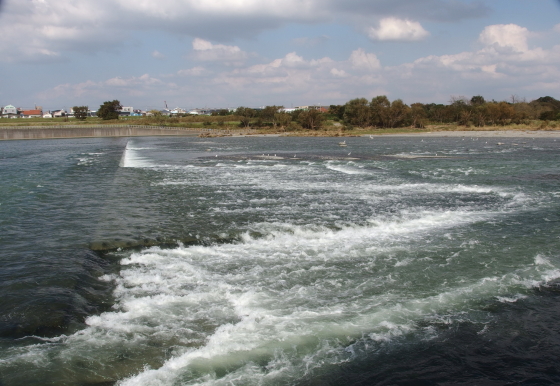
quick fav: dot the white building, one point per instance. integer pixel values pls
(9, 112)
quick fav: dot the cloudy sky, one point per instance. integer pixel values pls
(228, 53)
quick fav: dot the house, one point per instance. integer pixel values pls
(178, 111)
(37, 113)
(47, 115)
(9, 112)
(126, 111)
(58, 113)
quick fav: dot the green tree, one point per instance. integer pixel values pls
(109, 110)
(337, 111)
(379, 108)
(312, 119)
(357, 112)
(269, 113)
(397, 113)
(418, 115)
(477, 100)
(283, 119)
(80, 112)
(220, 113)
(245, 114)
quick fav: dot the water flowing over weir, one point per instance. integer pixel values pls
(289, 261)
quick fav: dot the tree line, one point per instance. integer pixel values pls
(380, 112)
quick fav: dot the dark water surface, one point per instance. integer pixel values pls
(280, 261)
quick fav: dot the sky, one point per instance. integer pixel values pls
(230, 53)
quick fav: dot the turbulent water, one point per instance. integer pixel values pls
(280, 261)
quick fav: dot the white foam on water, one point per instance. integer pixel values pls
(131, 158)
(266, 329)
(511, 299)
(349, 168)
(297, 299)
(285, 291)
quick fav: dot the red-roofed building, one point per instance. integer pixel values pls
(32, 114)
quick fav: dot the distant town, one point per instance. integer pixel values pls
(11, 111)
(378, 113)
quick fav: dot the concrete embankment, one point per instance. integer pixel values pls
(34, 132)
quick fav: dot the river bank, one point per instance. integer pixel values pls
(99, 131)
(484, 134)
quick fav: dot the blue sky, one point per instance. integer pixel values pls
(229, 53)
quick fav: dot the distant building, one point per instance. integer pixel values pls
(204, 111)
(126, 111)
(322, 109)
(37, 113)
(178, 111)
(9, 112)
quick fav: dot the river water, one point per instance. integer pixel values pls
(280, 261)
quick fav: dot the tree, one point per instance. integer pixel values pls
(245, 114)
(357, 112)
(337, 111)
(397, 113)
(500, 113)
(269, 113)
(109, 110)
(417, 115)
(80, 112)
(312, 119)
(221, 113)
(283, 119)
(477, 100)
(379, 107)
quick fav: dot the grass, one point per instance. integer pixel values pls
(330, 128)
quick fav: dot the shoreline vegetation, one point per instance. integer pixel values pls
(14, 132)
(358, 117)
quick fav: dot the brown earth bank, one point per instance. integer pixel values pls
(93, 131)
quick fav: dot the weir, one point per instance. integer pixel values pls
(93, 131)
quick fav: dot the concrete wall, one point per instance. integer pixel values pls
(91, 131)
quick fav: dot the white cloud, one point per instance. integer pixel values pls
(363, 60)
(503, 64)
(392, 28)
(158, 55)
(509, 36)
(53, 28)
(339, 73)
(206, 51)
(50, 29)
